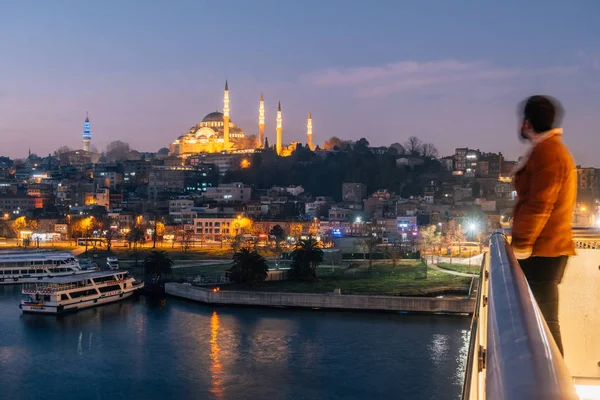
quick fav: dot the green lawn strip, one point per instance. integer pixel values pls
(382, 280)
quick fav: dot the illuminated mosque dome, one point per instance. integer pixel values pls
(208, 136)
(215, 116)
(217, 133)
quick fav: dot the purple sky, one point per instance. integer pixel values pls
(449, 72)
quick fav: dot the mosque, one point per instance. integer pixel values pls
(216, 133)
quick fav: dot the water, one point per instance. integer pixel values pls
(183, 350)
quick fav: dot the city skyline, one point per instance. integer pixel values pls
(362, 72)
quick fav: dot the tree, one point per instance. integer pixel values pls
(414, 146)
(159, 231)
(452, 234)
(158, 265)
(429, 150)
(117, 150)
(109, 235)
(368, 244)
(306, 257)
(396, 245)
(241, 225)
(18, 225)
(429, 240)
(335, 143)
(33, 224)
(186, 237)
(296, 230)
(62, 150)
(135, 236)
(108, 227)
(278, 233)
(86, 225)
(248, 267)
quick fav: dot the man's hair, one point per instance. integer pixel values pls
(542, 112)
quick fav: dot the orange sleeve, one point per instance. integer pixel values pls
(535, 211)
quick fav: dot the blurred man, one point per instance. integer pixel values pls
(546, 185)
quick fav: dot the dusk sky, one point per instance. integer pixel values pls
(449, 72)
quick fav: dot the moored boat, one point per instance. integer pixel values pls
(72, 293)
(35, 266)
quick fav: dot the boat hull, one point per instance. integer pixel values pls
(36, 279)
(75, 306)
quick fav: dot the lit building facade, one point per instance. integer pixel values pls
(217, 133)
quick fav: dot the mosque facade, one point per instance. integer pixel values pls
(217, 133)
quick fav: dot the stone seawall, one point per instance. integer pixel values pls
(343, 302)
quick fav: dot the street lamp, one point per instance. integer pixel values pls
(471, 229)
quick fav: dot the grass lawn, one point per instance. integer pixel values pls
(383, 279)
(473, 269)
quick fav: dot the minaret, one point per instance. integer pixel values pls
(226, 117)
(278, 145)
(87, 133)
(261, 122)
(309, 132)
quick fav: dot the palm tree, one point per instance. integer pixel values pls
(307, 256)
(158, 265)
(248, 267)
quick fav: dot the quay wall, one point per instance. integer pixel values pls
(328, 301)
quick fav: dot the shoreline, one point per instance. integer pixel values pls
(429, 305)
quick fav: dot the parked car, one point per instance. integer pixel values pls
(112, 263)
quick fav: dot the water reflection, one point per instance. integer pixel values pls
(79, 344)
(252, 353)
(216, 368)
(438, 348)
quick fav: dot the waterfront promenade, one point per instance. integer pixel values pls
(450, 305)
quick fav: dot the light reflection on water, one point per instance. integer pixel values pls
(216, 368)
(184, 350)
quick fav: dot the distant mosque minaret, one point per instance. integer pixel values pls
(226, 116)
(279, 146)
(261, 122)
(87, 133)
(309, 132)
(217, 133)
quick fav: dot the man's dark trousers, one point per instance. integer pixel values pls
(544, 275)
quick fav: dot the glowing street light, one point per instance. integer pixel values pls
(472, 227)
(358, 220)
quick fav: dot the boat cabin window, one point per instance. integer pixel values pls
(83, 293)
(110, 288)
(23, 271)
(64, 297)
(46, 297)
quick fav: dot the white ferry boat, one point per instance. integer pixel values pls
(72, 293)
(35, 266)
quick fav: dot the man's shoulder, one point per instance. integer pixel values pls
(553, 150)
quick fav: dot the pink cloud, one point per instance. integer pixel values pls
(381, 81)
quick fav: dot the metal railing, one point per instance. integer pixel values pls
(512, 353)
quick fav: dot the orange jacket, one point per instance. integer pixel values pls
(546, 185)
